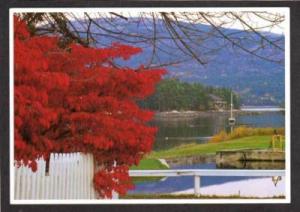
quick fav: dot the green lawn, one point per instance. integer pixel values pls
(252, 142)
(149, 164)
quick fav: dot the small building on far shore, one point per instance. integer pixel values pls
(217, 103)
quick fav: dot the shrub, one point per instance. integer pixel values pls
(221, 136)
(243, 131)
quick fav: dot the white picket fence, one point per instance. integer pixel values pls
(70, 176)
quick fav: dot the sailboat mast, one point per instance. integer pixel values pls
(231, 119)
(231, 105)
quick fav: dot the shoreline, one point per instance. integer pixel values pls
(191, 160)
(195, 114)
(230, 163)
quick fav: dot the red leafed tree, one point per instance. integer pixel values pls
(73, 99)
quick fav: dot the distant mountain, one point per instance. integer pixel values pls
(258, 82)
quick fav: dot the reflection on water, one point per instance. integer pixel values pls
(173, 132)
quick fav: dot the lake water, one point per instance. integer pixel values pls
(173, 132)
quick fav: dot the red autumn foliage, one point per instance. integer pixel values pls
(74, 100)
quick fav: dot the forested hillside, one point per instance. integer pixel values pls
(172, 94)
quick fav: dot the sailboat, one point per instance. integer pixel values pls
(231, 119)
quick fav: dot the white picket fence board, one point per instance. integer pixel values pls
(70, 176)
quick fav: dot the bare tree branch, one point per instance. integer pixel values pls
(174, 34)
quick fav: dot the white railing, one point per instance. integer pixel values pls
(198, 173)
(70, 176)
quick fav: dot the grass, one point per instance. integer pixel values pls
(149, 164)
(251, 142)
(189, 196)
(146, 164)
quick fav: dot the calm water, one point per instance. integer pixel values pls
(181, 131)
(173, 132)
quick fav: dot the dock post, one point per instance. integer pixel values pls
(197, 185)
